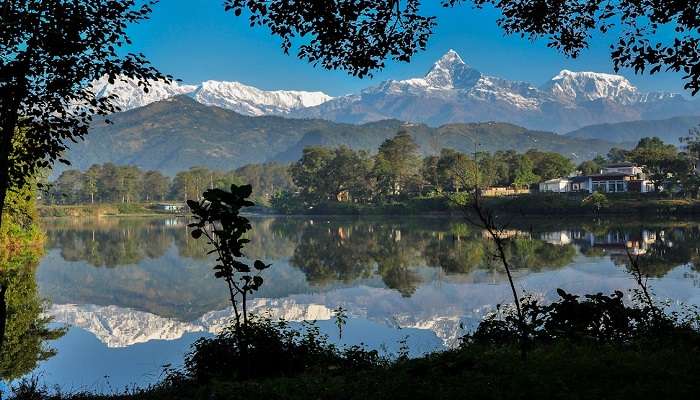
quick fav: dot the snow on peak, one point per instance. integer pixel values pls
(250, 100)
(450, 71)
(575, 87)
(130, 95)
(230, 95)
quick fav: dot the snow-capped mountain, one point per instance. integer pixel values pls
(249, 100)
(235, 96)
(453, 91)
(580, 87)
(130, 95)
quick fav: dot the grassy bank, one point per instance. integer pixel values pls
(97, 210)
(535, 204)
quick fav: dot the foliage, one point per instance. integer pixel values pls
(598, 318)
(596, 201)
(50, 52)
(355, 37)
(275, 348)
(217, 218)
(397, 165)
(359, 36)
(525, 174)
(109, 183)
(24, 328)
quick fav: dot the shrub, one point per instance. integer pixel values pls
(274, 349)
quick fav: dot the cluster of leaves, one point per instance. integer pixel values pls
(49, 53)
(275, 348)
(569, 26)
(596, 318)
(356, 36)
(217, 217)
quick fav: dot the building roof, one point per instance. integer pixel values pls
(620, 165)
(611, 175)
(579, 179)
(557, 180)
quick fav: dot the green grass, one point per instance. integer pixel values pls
(563, 371)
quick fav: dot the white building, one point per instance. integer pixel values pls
(558, 185)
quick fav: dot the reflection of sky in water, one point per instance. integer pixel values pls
(145, 303)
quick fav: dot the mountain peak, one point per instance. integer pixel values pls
(450, 71)
(573, 86)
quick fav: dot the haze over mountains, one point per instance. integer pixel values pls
(669, 130)
(451, 92)
(175, 134)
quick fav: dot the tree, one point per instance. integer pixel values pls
(590, 167)
(597, 201)
(430, 172)
(397, 165)
(358, 36)
(616, 155)
(656, 157)
(90, 179)
(309, 173)
(524, 175)
(68, 186)
(550, 165)
(50, 52)
(457, 171)
(349, 170)
(155, 185)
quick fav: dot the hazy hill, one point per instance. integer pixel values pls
(670, 130)
(175, 134)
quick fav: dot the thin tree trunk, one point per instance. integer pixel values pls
(3, 315)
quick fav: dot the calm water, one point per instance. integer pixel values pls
(135, 293)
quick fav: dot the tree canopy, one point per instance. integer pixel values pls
(359, 35)
(50, 52)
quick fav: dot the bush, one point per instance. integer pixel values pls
(598, 318)
(274, 349)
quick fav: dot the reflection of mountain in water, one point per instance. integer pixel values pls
(411, 273)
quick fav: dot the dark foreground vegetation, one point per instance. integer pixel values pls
(592, 347)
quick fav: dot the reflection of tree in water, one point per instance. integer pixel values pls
(111, 244)
(456, 256)
(670, 248)
(26, 330)
(537, 255)
(328, 252)
(397, 255)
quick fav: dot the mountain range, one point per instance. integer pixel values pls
(451, 92)
(669, 130)
(174, 134)
(234, 96)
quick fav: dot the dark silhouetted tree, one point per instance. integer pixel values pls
(358, 36)
(50, 52)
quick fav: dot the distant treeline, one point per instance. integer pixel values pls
(109, 183)
(396, 171)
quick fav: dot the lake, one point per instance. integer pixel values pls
(135, 293)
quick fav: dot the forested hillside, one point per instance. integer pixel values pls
(175, 134)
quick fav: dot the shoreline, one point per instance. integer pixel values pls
(533, 205)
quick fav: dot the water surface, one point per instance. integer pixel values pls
(135, 293)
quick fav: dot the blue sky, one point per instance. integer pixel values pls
(195, 40)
